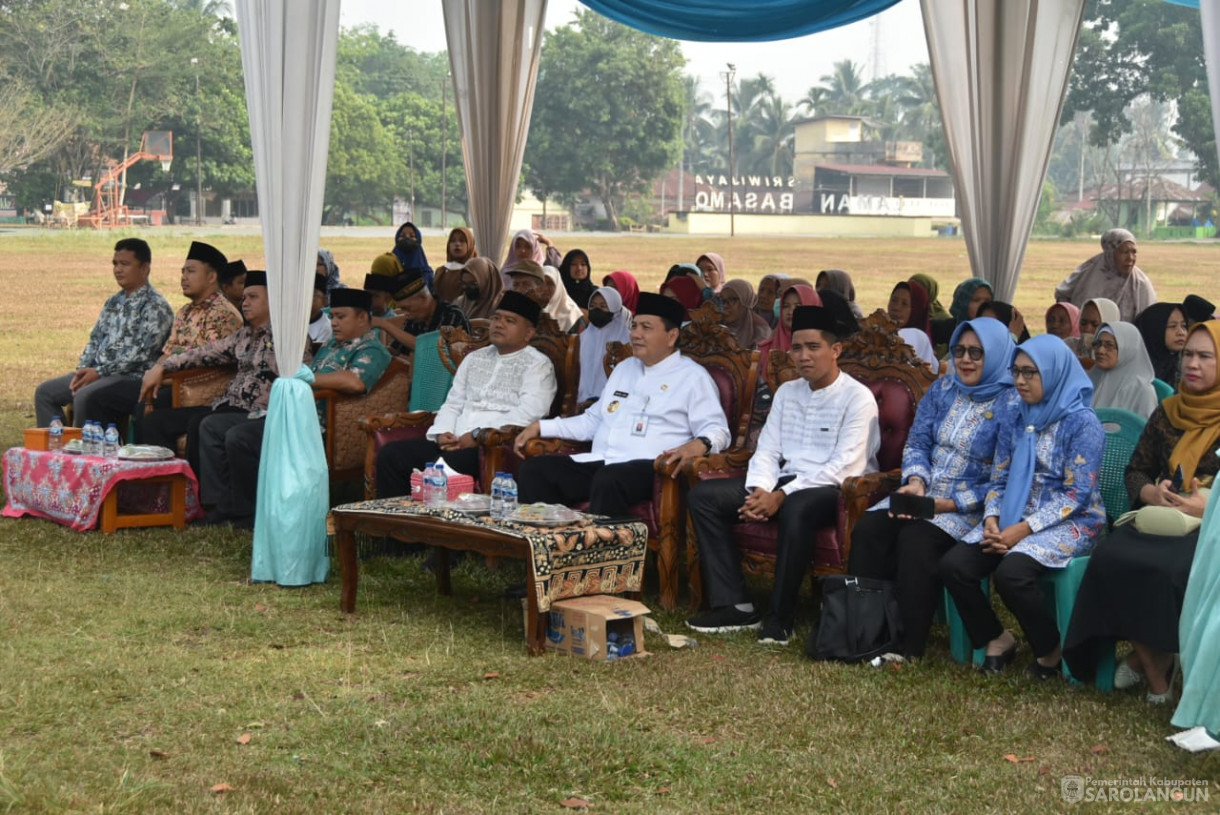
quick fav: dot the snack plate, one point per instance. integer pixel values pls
(546, 515)
(470, 503)
(75, 447)
(144, 452)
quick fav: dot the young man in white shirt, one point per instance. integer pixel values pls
(656, 402)
(822, 428)
(507, 383)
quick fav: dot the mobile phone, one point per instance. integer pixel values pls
(1176, 484)
(914, 506)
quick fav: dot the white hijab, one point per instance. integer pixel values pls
(1128, 385)
(593, 344)
(561, 306)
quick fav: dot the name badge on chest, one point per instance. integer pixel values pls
(639, 425)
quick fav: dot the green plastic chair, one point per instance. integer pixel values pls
(430, 379)
(1123, 429)
(1162, 389)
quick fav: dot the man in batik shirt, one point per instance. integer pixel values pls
(125, 340)
(350, 362)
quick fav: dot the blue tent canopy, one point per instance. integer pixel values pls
(736, 20)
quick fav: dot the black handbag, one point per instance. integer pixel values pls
(859, 620)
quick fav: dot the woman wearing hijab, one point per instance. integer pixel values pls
(409, 250)
(768, 297)
(781, 337)
(481, 288)
(936, 311)
(684, 290)
(609, 321)
(577, 274)
(1043, 507)
(712, 267)
(1095, 312)
(738, 299)
(525, 246)
(839, 281)
(1135, 582)
(326, 266)
(569, 316)
(1063, 321)
(948, 457)
(1111, 274)
(968, 296)
(908, 307)
(1163, 327)
(1007, 314)
(1122, 373)
(447, 278)
(627, 287)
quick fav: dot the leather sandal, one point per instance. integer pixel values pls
(996, 664)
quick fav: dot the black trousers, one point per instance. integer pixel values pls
(163, 427)
(907, 552)
(230, 447)
(713, 510)
(397, 460)
(1016, 579)
(610, 489)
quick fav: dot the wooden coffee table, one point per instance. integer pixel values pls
(567, 561)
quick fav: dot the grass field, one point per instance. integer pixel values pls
(140, 670)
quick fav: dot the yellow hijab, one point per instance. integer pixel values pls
(1197, 415)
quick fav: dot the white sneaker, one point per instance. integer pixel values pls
(1159, 698)
(1126, 677)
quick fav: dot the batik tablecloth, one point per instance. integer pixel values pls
(70, 489)
(594, 556)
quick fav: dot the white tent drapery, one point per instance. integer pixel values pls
(493, 51)
(1001, 71)
(288, 57)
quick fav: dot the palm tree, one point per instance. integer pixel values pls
(846, 90)
(813, 100)
(771, 137)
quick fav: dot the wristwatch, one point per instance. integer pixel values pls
(477, 435)
(706, 443)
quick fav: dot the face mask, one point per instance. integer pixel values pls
(407, 244)
(471, 292)
(599, 317)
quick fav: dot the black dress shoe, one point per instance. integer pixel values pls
(1039, 671)
(996, 664)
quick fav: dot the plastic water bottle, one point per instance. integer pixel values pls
(427, 492)
(98, 439)
(509, 490)
(88, 439)
(441, 485)
(55, 434)
(111, 448)
(497, 496)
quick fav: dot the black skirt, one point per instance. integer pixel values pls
(1132, 590)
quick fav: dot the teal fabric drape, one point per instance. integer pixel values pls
(1199, 630)
(292, 478)
(736, 20)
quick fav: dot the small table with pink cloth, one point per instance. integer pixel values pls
(75, 490)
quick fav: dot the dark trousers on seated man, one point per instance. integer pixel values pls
(109, 399)
(610, 489)
(163, 427)
(714, 505)
(230, 445)
(397, 460)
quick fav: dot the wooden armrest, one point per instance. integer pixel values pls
(866, 485)
(496, 436)
(543, 447)
(373, 424)
(735, 458)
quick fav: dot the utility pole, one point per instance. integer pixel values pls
(728, 91)
(198, 148)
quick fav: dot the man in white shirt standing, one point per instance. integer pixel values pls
(822, 429)
(656, 402)
(507, 383)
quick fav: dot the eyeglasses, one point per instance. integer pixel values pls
(1105, 344)
(973, 351)
(1024, 373)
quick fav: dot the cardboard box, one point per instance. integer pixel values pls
(38, 438)
(586, 626)
(458, 484)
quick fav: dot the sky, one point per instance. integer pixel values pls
(795, 65)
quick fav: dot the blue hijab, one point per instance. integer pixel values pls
(998, 350)
(413, 258)
(1066, 389)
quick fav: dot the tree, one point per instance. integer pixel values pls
(29, 131)
(611, 101)
(845, 89)
(365, 168)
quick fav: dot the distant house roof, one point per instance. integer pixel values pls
(881, 169)
(1162, 190)
(868, 120)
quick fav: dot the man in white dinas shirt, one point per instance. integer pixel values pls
(822, 428)
(507, 383)
(656, 402)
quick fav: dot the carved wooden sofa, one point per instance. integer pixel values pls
(454, 344)
(735, 372)
(878, 357)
